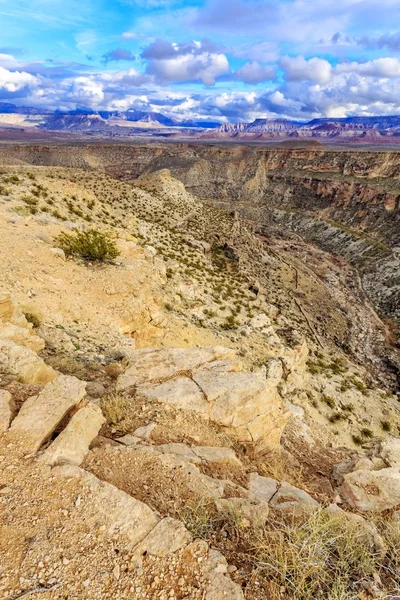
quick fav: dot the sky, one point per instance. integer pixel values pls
(220, 60)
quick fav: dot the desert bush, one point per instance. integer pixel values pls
(90, 244)
(115, 408)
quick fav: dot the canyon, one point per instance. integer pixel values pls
(199, 371)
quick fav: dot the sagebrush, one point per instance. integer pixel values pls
(90, 244)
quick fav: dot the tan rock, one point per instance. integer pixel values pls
(183, 451)
(157, 365)
(221, 587)
(41, 414)
(117, 511)
(21, 336)
(245, 404)
(374, 491)
(182, 393)
(6, 410)
(11, 313)
(72, 445)
(168, 536)
(24, 364)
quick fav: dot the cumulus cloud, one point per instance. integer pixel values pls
(118, 54)
(86, 91)
(298, 68)
(14, 81)
(380, 67)
(192, 61)
(253, 72)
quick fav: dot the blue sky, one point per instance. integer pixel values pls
(226, 60)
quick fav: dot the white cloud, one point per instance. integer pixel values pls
(299, 69)
(14, 81)
(255, 73)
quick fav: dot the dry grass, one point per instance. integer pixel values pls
(115, 408)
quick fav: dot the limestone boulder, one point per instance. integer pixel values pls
(40, 415)
(24, 364)
(72, 445)
(372, 491)
(244, 403)
(118, 512)
(167, 537)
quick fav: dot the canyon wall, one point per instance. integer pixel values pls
(346, 201)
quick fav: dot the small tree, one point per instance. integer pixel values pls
(90, 244)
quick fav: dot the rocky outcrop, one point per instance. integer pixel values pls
(206, 381)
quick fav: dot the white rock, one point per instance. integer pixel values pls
(289, 497)
(155, 365)
(58, 252)
(129, 440)
(145, 431)
(168, 536)
(182, 393)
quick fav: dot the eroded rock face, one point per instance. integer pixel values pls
(15, 327)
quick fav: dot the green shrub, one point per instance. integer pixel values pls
(90, 244)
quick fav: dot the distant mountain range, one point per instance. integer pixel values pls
(379, 129)
(93, 121)
(368, 129)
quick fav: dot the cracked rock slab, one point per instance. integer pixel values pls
(261, 489)
(117, 511)
(157, 365)
(72, 445)
(182, 393)
(40, 415)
